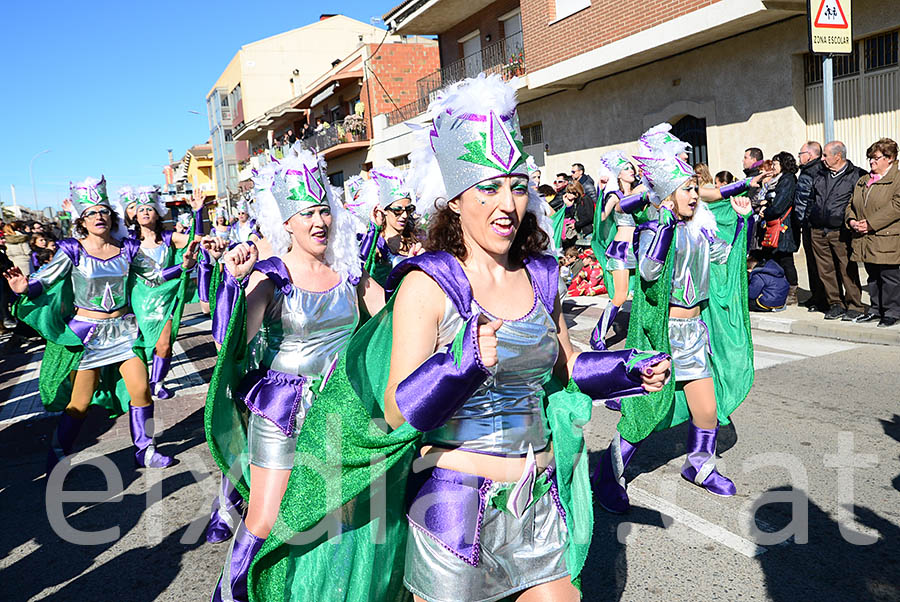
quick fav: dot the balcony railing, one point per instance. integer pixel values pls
(505, 57)
(350, 129)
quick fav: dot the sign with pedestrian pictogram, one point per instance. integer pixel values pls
(829, 27)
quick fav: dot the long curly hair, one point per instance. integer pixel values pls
(445, 234)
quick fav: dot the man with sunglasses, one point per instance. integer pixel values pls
(586, 181)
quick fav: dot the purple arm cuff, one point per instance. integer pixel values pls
(171, 273)
(613, 374)
(204, 277)
(634, 202)
(741, 222)
(35, 288)
(226, 298)
(735, 188)
(430, 396)
(751, 227)
(659, 247)
(198, 221)
(365, 245)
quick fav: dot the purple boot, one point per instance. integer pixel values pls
(67, 430)
(613, 404)
(700, 465)
(232, 583)
(158, 370)
(146, 454)
(225, 512)
(598, 336)
(609, 476)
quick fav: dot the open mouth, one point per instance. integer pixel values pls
(692, 205)
(320, 236)
(503, 226)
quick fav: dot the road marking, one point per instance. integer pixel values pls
(697, 523)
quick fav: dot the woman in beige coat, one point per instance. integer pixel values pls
(17, 248)
(873, 216)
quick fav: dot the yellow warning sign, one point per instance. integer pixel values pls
(830, 30)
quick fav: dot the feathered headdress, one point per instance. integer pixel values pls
(663, 168)
(292, 185)
(474, 136)
(127, 196)
(149, 196)
(91, 193)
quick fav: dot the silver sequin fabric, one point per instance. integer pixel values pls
(268, 446)
(110, 341)
(516, 554)
(504, 415)
(689, 339)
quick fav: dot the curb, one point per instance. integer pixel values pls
(827, 330)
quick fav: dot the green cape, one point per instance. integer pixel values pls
(727, 316)
(346, 464)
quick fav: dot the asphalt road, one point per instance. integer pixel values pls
(813, 452)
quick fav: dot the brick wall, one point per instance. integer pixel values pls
(398, 67)
(604, 22)
(485, 21)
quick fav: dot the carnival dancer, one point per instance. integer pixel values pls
(387, 202)
(692, 300)
(90, 355)
(474, 334)
(617, 259)
(128, 201)
(222, 229)
(244, 228)
(296, 311)
(158, 309)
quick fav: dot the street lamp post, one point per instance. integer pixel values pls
(31, 173)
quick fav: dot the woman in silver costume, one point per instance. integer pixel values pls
(303, 304)
(96, 270)
(162, 248)
(675, 257)
(393, 236)
(482, 330)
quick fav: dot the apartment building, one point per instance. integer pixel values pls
(594, 74)
(268, 73)
(339, 106)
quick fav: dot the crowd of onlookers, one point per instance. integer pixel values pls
(840, 214)
(26, 245)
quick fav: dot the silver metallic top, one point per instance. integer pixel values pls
(99, 284)
(505, 415)
(695, 248)
(624, 220)
(240, 232)
(157, 255)
(305, 331)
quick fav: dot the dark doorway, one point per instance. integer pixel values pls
(693, 130)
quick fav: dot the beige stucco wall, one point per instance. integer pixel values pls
(230, 76)
(748, 97)
(351, 163)
(267, 65)
(750, 88)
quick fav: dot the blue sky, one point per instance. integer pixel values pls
(108, 86)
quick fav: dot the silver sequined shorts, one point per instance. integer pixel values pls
(689, 338)
(269, 447)
(110, 340)
(516, 554)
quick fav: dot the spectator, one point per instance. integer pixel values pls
(586, 181)
(38, 241)
(830, 237)
(723, 178)
(43, 257)
(551, 196)
(874, 217)
(767, 288)
(561, 181)
(752, 162)
(305, 131)
(810, 162)
(17, 248)
(702, 171)
(779, 205)
(579, 208)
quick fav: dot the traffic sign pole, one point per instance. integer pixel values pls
(828, 97)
